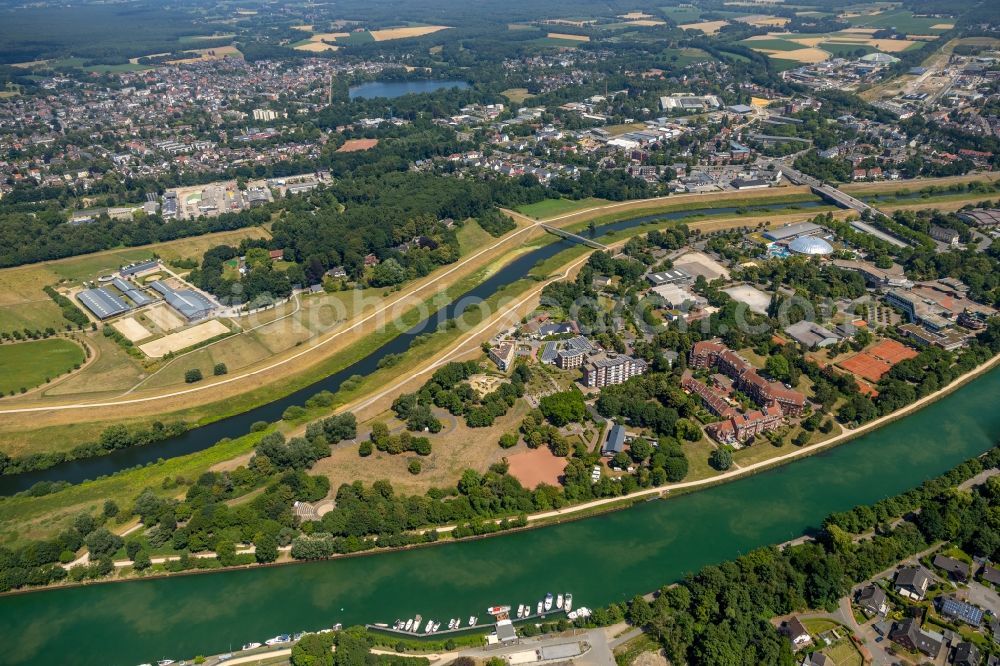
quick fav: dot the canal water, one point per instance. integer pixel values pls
(236, 426)
(392, 89)
(600, 559)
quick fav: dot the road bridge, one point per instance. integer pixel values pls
(840, 198)
(589, 242)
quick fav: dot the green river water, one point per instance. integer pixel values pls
(599, 560)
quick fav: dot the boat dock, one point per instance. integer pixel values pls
(464, 628)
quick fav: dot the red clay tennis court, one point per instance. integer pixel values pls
(877, 360)
(532, 468)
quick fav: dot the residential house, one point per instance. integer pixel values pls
(909, 634)
(960, 611)
(795, 631)
(990, 574)
(503, 354)
(967, 654)
(912, 582)
(957, 570)
(872, 600)
(945, 235)
(817, 659)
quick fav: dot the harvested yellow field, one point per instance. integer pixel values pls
(183, 339)
(759, 101)
(131, 329)
(808, 56)
(164, 317)
(769, 21)
(645, 23)
(942, 26)
(304, 28)
(403, 33)
(329, 36)
(316, 47)
(563, 35)
(861, 31)
(635, 15)
(890, 45)
(218, 53)
(707, 27)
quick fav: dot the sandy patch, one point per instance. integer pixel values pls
(402, 33)
(533, 468)
(164, 317)
(316, 47)
(802, 55)
(707, 27)
(217, 53)
(563, 35)
(131, 329)
(942, 26)
(184, 339)
(355, 145)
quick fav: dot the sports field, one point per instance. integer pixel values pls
(29, 364)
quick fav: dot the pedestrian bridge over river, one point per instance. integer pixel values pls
(589, 242)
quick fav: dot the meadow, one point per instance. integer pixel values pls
(30, 364)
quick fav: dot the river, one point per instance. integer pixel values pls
(392, 89)
(600, 559)
(201, 438)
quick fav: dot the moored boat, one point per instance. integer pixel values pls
(251, 646)
(428, 626)
(496, 610)
(559, 602)
(472, 620)
(408, 625)
(538, 610)
(520, 610)
(548, 601)
(568, 605)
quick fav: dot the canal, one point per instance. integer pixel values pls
(600, 559)
(205, 436)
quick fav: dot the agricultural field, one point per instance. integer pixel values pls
(803, 48)
(30, 364)
(682, 14)
(406, 32)
(902, 20)
(563, 36)
(215, 53)
(707, 27)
